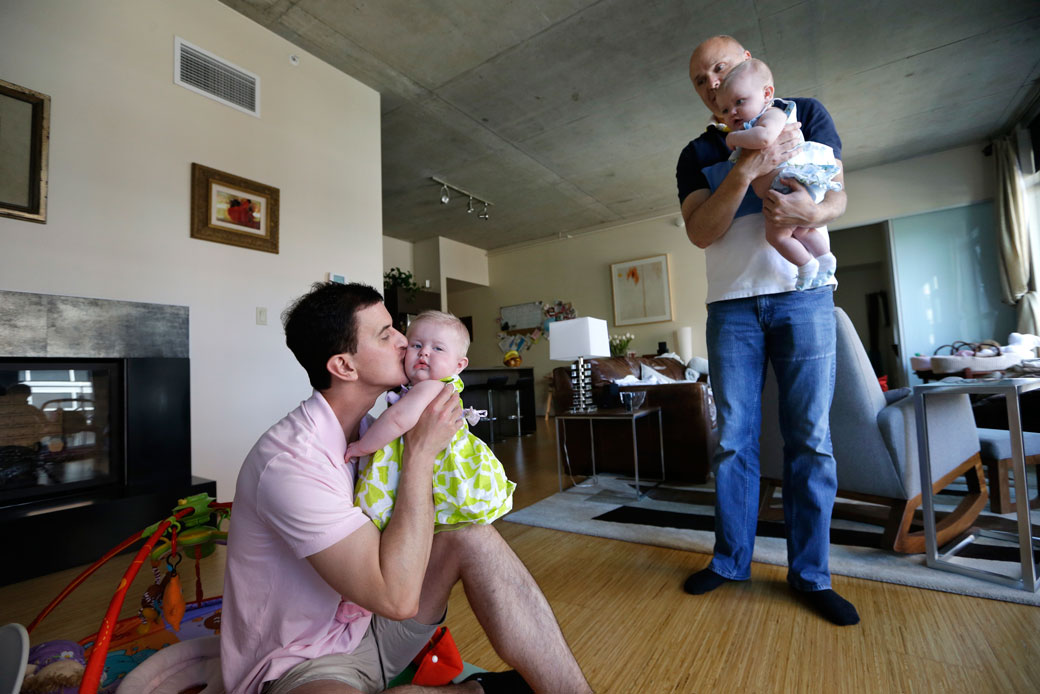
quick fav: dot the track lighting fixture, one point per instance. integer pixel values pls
(446, 198)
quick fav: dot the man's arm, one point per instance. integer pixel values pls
(798, 209)
(383, 572)
(708, 215)
(396, 419)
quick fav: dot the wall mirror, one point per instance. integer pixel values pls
(24, 135)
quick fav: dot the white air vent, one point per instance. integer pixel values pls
(204, 73)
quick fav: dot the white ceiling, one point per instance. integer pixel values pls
(570, 114)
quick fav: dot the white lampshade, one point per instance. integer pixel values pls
(579, 337)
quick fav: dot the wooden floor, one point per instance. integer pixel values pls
(634, 630)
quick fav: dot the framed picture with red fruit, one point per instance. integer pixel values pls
(230, 209)
(642, 291)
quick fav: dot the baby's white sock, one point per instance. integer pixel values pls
(828, 263)
(806, 274)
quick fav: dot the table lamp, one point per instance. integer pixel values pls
(579, 338)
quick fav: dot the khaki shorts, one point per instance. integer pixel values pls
(385, 650)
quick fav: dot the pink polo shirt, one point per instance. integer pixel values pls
(294, 497)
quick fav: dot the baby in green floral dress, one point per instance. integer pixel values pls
(469, 484)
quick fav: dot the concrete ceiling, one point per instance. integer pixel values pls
(570, 114)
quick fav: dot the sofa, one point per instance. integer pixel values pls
(687, 416)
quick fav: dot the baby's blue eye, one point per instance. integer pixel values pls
(439, 349)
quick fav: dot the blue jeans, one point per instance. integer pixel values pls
(795, 332)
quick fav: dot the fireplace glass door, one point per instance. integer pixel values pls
(60, 427)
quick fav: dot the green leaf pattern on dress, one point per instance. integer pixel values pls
(469, 483)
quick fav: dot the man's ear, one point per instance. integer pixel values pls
(342, 367)
(769, 92)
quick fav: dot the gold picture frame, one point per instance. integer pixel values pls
(230, 209)
(642, 291)
(25, 129)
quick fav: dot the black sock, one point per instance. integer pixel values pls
(831, 605)
(508, 682)
(703, 581)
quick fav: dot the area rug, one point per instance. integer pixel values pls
(682, 517)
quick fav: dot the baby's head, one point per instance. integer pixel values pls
(437, 346)
(744, 93)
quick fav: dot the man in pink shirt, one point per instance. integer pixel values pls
(316, 598)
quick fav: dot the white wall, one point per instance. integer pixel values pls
(436, 261)
(460, 261)
(951, 178)
(397, 253)
(123, 138)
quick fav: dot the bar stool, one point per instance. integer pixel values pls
(490, 387)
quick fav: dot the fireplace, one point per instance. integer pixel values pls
(61, 428)
(95, 426)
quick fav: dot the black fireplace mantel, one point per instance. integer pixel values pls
(149, 342)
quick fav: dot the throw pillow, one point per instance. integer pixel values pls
(647, 374)
(699, 364)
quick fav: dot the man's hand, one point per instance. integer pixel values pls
(798, 209)
(758, 162)
(794, 209)
(436, 426)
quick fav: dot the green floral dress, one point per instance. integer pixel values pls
(469, 483)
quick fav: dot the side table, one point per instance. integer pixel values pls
(611, 415)
(1011, 389)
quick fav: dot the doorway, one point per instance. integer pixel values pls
(865, 293)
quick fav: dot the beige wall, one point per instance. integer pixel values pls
(123, 138)
(951, 178)
(438, 264)
(397, 253)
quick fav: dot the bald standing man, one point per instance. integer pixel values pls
(756, 317)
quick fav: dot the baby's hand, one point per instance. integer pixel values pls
(353, 450)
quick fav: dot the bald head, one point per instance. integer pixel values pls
(709, 64)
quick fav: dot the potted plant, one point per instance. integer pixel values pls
(396, 277)
(402, 296)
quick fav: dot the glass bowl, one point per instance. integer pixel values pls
(638, 398)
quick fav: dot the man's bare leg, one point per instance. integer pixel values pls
(508, 604)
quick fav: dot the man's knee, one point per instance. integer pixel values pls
(474, 547)
(470, 537)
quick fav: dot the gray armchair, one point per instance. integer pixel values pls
(875, 447)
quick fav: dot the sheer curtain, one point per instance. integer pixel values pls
(1017, 268)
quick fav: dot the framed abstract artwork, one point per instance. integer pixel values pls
(230, 209)
(642, 291)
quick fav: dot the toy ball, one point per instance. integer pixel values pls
(512, 358)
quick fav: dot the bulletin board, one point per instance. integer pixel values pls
(522, 317)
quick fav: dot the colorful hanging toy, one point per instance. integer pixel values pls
(194, 528)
